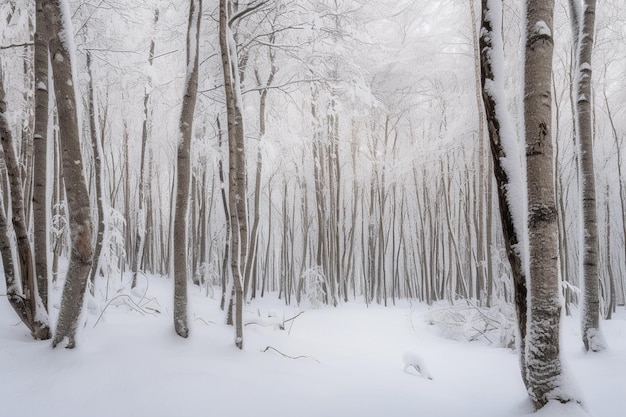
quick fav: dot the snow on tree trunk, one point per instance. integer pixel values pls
(507, 164)
(183, 171)
(544, 371)
(24, 298)
(591, 334)
(237, 163)
(61, 53)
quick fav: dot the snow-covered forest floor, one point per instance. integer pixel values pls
(345, 361)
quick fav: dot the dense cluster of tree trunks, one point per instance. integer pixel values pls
(345, 214)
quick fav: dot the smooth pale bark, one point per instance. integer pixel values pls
(495, 119)
(591, 334)
(75, 185)
(183, 171)
(544, 370)
(237, 161)
(21, 283)
(40, 154)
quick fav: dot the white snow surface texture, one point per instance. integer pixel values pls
(346, 361)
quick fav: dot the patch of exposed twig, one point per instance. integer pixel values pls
(130, 303)
(287, 356)
(207, 322)
(291, 320)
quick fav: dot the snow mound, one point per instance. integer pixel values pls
(557, 409)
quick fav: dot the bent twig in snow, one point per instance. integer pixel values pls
(287, 356)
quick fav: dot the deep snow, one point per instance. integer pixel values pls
(349, 363)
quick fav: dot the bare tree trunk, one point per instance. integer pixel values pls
(26, 143)
(183, 171)
(622, 191)
(591, 334)
(610, 309)
(96, 147)
(140, 233)
(543, 359)
(501, 140)
(58, 209)
(237, 162)
(75, 185)
(251, 265)
(24, 299)
(224, 270)
(40, 154)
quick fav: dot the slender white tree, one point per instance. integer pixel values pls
(544, 370)
(183, 170)
(583, 22)
(62, 55)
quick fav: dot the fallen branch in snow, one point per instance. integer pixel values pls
(287, 356)
(265, 323)
(291, 319)
(470, 322)
(204, 321)
(294, 317)
(131, 304)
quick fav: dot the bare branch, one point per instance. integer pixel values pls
(17, 45)
(287, 356)
(240, 15)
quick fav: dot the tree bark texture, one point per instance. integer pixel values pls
(21, 286)
(237, 165)
(591, 334)
(490, 52)
(543, 359)
(96, 147)
(183, 171)
(73, 174)
(40, 155)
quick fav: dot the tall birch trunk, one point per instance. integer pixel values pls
(57, 11)
(591, 334)
(183, 171)
(544, 371)
(237, 162)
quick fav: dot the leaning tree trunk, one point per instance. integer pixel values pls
(61, 51)
(24, 298)
(506, 159)
(183, 171)
(544, 371)
(591, 335)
